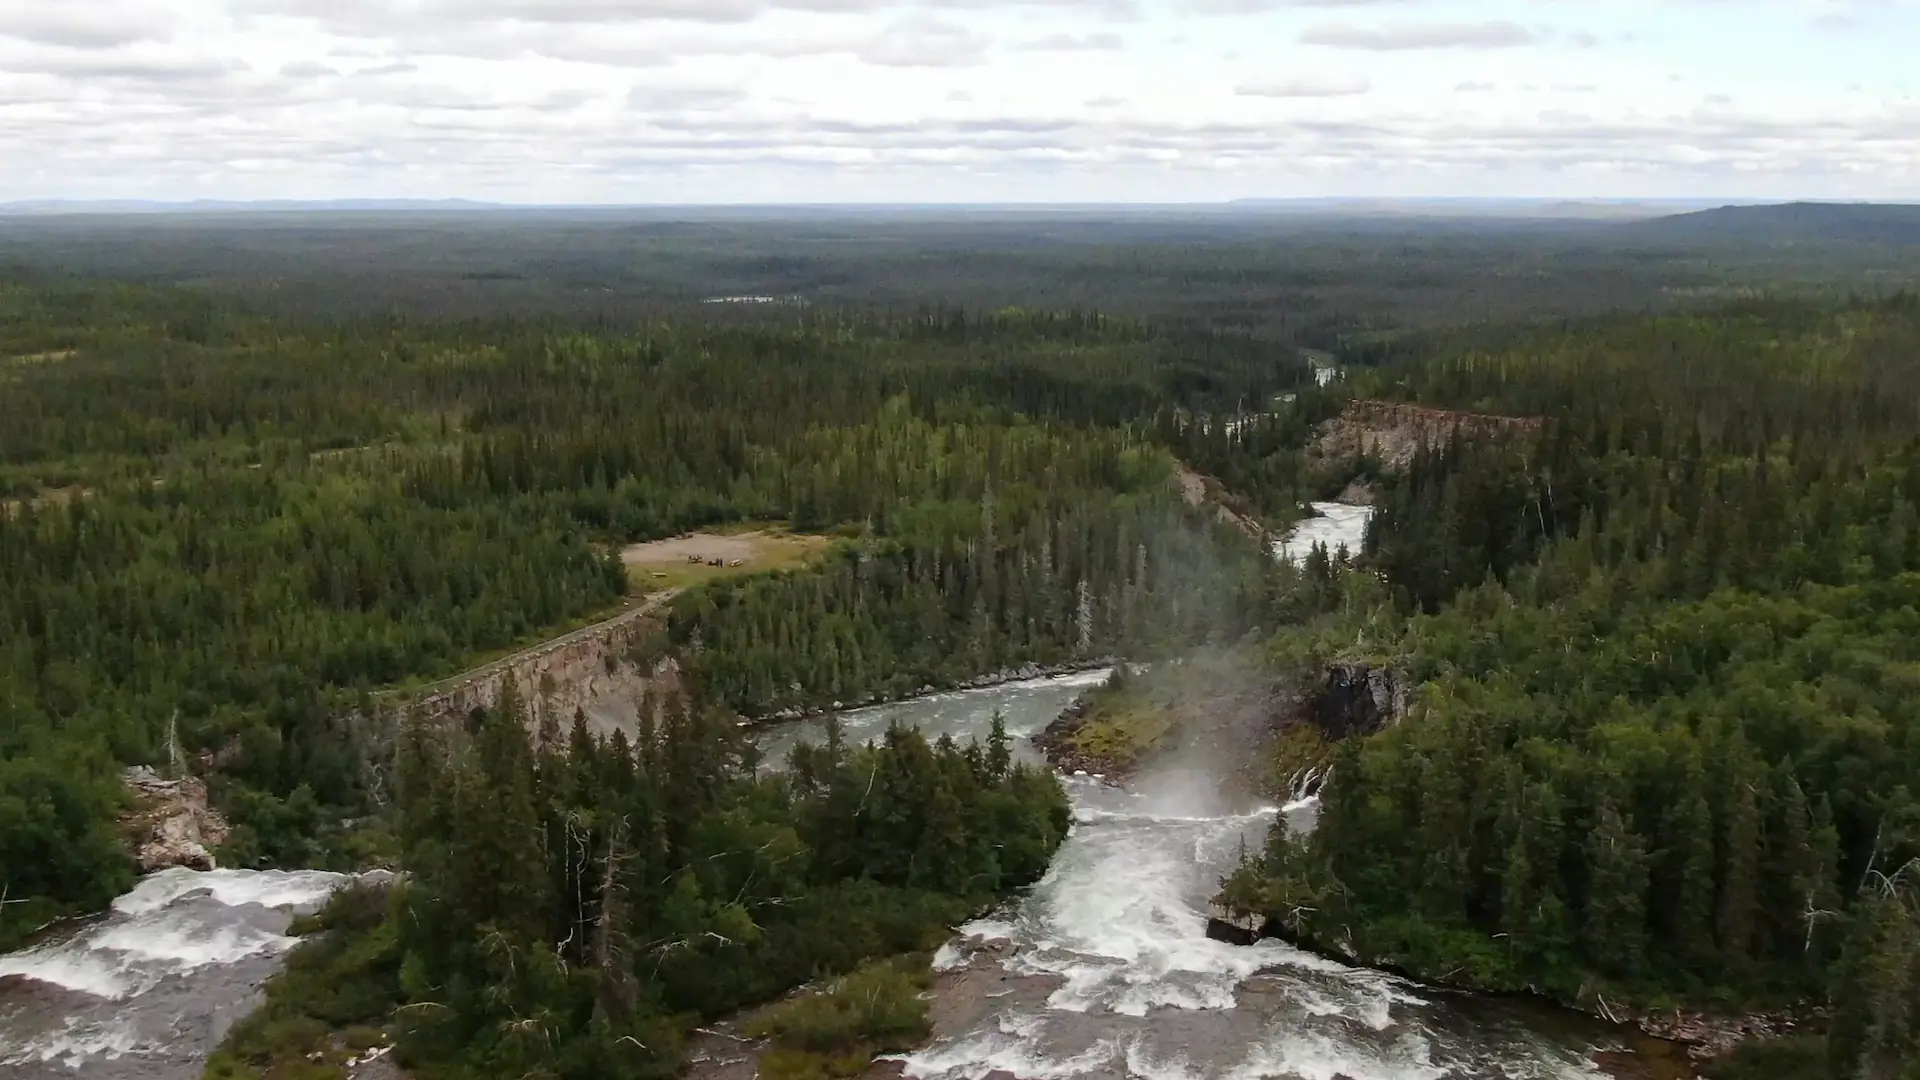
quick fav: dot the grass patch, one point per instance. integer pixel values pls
(333, 999)
(745, 549)
(1133, 717)
(1124, 728)
(838, 1031)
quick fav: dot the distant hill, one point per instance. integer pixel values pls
(226, 206)
(1474, 207)
(1877, 223)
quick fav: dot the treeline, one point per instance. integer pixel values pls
(1664, 747)
(573, 906)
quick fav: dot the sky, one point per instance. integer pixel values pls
(782, 101)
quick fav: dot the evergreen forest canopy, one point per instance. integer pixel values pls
(1668, 658)
(1664, 643)
(221, 531)
(1318, 279)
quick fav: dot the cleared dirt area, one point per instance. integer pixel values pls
(41, 357)
(691, 559)
(49, 497)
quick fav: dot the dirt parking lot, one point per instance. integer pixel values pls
(685, 560)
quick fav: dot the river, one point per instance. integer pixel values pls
(1105, 969)
(147, 989)
(1334, 526)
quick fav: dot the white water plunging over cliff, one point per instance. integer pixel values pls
(1105, 968)
(148, 988)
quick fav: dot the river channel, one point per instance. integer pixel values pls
(1104, 967)
(147, 989)
(1106, 971)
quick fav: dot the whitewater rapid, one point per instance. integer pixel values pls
(1334, 526)
(1104, 968)
(148, 988)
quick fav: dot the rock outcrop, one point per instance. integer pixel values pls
(1357, 699)
(603, 670)
(1393, 432)
(172, 824)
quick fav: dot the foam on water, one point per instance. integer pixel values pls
(294, 889)
(1334, 526)
(172, 922)
(1131, 983)
(975, 1056)
(72, 1044)
(951, 957)
(145, 991)
(1314, 1055)
(1116, 919)
(88, 972)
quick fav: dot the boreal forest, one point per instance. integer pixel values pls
(1643, 573)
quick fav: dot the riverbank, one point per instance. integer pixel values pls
(1659, 1038)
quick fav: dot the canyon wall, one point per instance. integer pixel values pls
(1393, 432)
(603, 670)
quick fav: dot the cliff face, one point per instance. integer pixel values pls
(1357, 700)
(1393, 432)
(603, 670)
(171, 824)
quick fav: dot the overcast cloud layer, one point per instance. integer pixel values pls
(675, 101)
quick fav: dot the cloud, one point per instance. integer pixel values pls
(1101, 42)
(144, 66)
(922, 41)
(675, 100)
(1310, 86)
(83, 25)
(1261, 7)
(683, 98)
(370, 16)
(514, 148)
(1398, 36)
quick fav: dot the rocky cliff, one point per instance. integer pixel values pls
(1357, 699)
(603, 670)
(1393, 432)
(171, 823)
